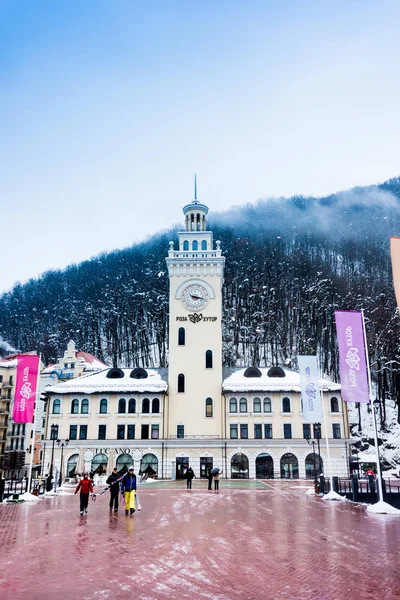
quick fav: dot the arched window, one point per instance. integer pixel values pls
(264, 466)
(185, 246)
(85, 406)
(181, 336)
(145, 406)
(243, 405)
(209, 359)
(74, 406)
(209, 407)
(181, 382)
(334, 404)
(71, 465)
(289, 466)
(124, 461)
(103, 406)
(122, 405)
(233, 405)
(204, 245)
(286, 405)
(239, 466)
(195, 245)
(56, 406)
(267, 405)
(155, 405)
(132, 405)
(257, 405)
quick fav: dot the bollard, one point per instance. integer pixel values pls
(335, 483)
(322, 484)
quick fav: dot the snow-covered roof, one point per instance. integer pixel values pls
(86, 360)
(99, 382)
(8, 363)
(91, 363)
(237, 382)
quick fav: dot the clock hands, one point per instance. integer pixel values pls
(196, 297)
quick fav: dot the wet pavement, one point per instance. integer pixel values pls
(246, 542)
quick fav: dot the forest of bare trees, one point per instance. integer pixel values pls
(289, 265)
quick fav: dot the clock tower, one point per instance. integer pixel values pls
(196, 272)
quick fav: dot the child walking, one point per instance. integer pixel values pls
(86, 487)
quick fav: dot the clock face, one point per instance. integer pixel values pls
(195, 297)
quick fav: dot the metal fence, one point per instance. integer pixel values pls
(363, 490)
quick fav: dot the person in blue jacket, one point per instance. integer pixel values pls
(128, 487)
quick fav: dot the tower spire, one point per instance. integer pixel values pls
(195, 188)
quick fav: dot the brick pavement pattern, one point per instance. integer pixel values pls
(239, 544)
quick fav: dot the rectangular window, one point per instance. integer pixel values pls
(102, 432)
(73, 432)
(268, 431)
(10, 381)
(306, 431)
(83, 432)
(120, 432)
(287, 431)
(257, 432)
(180, 431)
(234, 432)
(1, 378)
(17, 443)
(155, 431)
(244, 432)
(131, 432)
(145, 432)
(336, 431)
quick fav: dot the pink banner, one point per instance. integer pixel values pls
(25, 388)
(352, 362)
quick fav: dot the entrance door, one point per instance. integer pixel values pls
(206, 464)
(182, 465)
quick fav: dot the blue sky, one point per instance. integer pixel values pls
(108, 108)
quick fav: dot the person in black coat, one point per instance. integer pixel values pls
(189, 478)
(210, 478)
(112, 481)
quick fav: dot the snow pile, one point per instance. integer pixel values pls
(382, 508)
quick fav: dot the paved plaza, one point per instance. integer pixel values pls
(251, 540)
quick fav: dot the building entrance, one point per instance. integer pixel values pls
(182, 465)
(206, 464)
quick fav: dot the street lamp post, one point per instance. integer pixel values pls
(54, 431)
(62, 445)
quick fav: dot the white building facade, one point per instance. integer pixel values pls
(248, 422)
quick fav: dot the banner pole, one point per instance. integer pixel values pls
(378, 462)
(37, 396)
(326, 433)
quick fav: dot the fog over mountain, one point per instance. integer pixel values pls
(289, 264)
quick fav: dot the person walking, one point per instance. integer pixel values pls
(189, 478)
(128, 487)
(216, 481)
(86, 487)
(112, 481)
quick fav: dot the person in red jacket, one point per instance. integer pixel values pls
(86, 487)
